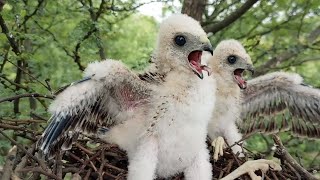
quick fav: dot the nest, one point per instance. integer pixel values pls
(107, 161)
(91, 158)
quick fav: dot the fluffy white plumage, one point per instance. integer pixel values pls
(287, 76)
(253, 108)
(257, 104)
(159, 118)
(228, 95)
(228, 62)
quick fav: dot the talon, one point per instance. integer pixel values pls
(251, 166)
(218, 145)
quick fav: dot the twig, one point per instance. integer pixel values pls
(280, 174)
(234, 156)
(14, 83)
(12, 41)
(27, 17)
(23, 162)
(231, 18)
(76, 56)
(21, 121)
(84, 149)
(24, 135)
(26, 95)
(274, 176)
(88, 160)
(7, 126)
(39, 170)
(103, 162)
(36, 116)
(80, 160)
(314, 159)
(40, 162)
(293, 170)
(5, 58)
(227, 169)
(113, 167)
(283, 154)
(70, 169)
(24, 71)
(88, 174)
(59, 165)
(8, 166)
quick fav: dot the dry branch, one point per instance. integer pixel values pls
(26, 95)
(8, 166)
(107, 161)
(283, 155)
(231, 18)
(12, 41)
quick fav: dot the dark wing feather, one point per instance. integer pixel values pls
(280, 102)
(84, 106)
(152, 77)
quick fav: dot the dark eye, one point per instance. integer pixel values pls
(232, 59)
(180, 40)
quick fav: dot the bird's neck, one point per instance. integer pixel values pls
(226, 87)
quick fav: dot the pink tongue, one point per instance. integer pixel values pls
(196, 66)
(242, 83)
(195, 60)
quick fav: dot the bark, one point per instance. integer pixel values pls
(231, 18)
(194, 8)
(18, 79)
(7, 169)
(2, 3)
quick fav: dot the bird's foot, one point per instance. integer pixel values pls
(218, 144)
(251, 166)
(261, 164)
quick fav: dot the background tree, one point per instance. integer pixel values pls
(45, 45)
(279, 35)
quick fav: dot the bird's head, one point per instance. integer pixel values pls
(181, 42)
(232, 59)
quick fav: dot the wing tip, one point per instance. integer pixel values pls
(286, 77)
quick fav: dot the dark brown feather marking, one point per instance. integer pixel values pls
(271, 103)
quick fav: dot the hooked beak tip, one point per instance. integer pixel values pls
(200, 75)
(251, 70)
(209, 49)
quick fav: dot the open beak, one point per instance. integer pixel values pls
(250, 68)
(195, 60)
(208, 48)
(238, 75)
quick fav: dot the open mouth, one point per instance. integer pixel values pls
(239, 79)
(195, 64)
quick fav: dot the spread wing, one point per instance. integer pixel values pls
(279, 102)
(106, 97)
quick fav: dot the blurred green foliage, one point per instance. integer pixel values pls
(48, 34)
(55, 30)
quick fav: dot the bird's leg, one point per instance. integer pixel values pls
(200, 168)
(232, 136)
(251, 166)
(218, 144)
(142, 162)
